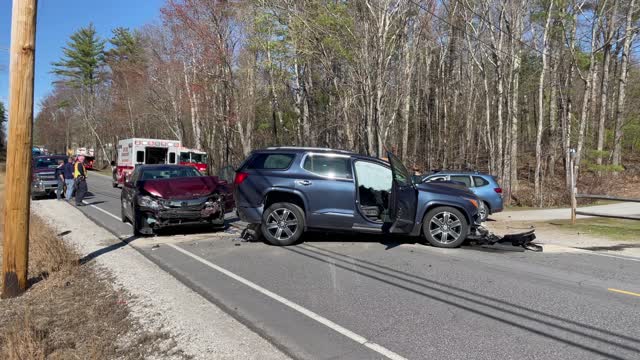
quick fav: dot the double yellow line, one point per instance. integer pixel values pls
(623, 292)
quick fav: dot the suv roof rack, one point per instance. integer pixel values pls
(304, 148)
(436, 171)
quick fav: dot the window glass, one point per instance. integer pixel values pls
(373, 176)
(400, 172)
(198, 158)
(480, 181)
(172, 158)
(463, 179)
(329, 166)
(271, 161)
(49, 162)
(135, 175)
(169, 173)
(184, 157)
(140, 156)
(437, 178)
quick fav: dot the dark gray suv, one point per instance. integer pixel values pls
(288, 190)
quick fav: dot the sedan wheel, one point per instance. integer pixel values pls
(445, 227)
(283, 223)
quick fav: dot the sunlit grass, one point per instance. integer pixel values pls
(614, 229)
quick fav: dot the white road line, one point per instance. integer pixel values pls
(104, 211)
(330, 324)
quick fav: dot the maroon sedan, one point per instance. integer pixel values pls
(158, 196)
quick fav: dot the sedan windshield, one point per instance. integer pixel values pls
(169, 173)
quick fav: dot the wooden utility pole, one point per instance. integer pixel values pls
(18, 177)
(573, 189)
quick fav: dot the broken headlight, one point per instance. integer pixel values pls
(149, 202)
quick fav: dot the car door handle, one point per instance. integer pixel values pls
(304, 182)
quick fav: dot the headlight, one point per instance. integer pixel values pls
(148, 202)
(473, 201)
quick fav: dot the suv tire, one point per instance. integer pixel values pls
(445, 227)
(283, 224)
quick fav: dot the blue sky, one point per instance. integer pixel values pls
(57, 20)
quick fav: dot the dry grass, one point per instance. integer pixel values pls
(71, 311)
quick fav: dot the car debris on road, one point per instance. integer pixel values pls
(524, 239)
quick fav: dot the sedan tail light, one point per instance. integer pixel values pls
(240, 177)
(498, 190)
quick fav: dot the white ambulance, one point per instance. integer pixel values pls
(137, 151)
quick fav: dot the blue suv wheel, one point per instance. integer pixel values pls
(283, 224)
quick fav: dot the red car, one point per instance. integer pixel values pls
(158, 196)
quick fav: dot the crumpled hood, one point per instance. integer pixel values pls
(181, 188)
(446, 187)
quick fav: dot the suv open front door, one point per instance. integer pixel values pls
(403, 201)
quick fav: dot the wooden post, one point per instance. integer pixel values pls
(18, 177)
(573, 189)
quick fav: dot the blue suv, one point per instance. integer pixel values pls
(485, 186)
(287, 191)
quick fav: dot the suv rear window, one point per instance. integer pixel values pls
(462, 178)
(480, 181)
(270, 161)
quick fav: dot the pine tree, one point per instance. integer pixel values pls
(83, 62)
(127, 47)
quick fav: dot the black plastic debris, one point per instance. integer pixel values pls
(524, 239)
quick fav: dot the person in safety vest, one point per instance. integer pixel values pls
(80, 179)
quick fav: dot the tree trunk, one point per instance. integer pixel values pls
(545, 66)
(604, 91)
(630, 33)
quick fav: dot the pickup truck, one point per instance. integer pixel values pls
(43, 181)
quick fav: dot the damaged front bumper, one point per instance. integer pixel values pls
(209, 210)
(483, 236)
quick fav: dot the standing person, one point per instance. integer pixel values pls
(68, 178)
(80, 177)
(59, 174)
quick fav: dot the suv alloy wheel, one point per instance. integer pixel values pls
(283, 224)
(445, 227)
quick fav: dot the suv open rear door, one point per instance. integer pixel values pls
(403, 201)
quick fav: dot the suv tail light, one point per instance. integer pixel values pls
(240, 177)
(498, 190)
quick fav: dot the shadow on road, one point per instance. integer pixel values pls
(390, 241)
(618, 247)
(501, 309)
(124, 242)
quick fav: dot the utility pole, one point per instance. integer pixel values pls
(18, 178)
(573, 190)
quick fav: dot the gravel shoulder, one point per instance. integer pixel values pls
(160, 302)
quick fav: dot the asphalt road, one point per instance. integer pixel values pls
(372, 297)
